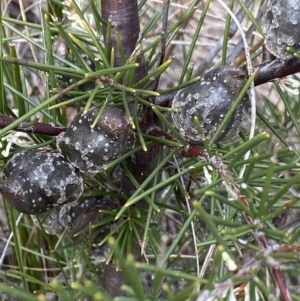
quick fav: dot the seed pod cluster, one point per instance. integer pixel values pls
(91, 148)
(47, 184)
(281, 27)
(36, 180)
(210, 99)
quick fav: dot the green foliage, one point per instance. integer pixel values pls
(219, 221)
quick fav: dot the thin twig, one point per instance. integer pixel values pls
(164, 35)
(164, 31)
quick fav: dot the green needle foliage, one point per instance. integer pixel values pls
(216, 221)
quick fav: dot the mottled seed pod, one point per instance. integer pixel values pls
(77, 216)
(36, 180)
(90, 149)
(281, 27)
(61, 49)
(210, 99)
(49, 220)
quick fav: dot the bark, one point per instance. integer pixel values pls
(276, 69)
(37, 128)
(125, 19)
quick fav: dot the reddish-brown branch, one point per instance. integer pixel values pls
(267, 71)
(38, 128)
(276, 69)
(284, 293)
(124, 18)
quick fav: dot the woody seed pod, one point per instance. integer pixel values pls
(281, 27)
(36, 180)
(210, 99)
(90, 149)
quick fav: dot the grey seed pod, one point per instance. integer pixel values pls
(281, 27)
(36, 180)
(210, 99)
(77, 216)
(49, 221)
(90, 149)
(61, 49)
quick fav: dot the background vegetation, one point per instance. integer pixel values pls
(219, 221)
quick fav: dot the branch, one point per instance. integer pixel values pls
(123, 15)
(37, 128)
(124, 18)
(276, 69)
(267, 72)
